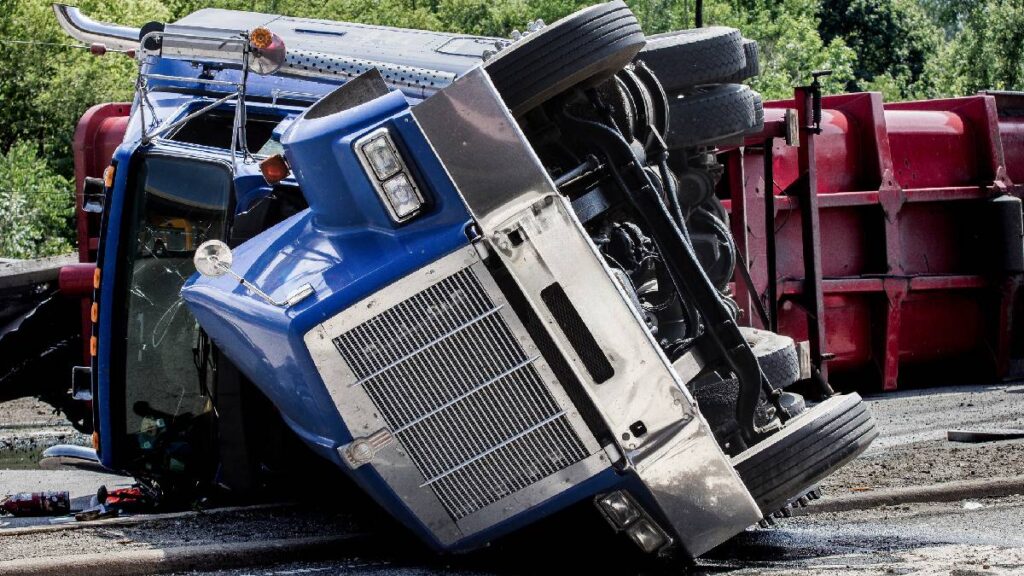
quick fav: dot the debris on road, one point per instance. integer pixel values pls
(975, 436)
(52, 503)
(96, 513)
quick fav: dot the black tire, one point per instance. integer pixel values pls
(812, 446)
(758, 115)
(776, 355)
(584, 48)
(688, 58)
(751, 65)
(712, 115)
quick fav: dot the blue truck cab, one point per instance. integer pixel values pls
(449, 267)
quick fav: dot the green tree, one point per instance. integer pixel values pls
(893, 39)
(790, 44)
(37, 205)
(987, 53)
(48, 85)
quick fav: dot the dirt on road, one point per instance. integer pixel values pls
(963, 538)
(912, 449)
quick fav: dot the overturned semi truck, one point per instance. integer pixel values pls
(488, 279)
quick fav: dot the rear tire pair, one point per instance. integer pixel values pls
(589, 46)
(701, 69)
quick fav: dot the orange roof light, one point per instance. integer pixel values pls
(108, 176)
(94, 312)
(261, 38)
(93, 345)
(275, 169)
(96, 278)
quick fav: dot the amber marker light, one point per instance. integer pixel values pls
(96, 278)
(93, 345)
(261, 38)
(94, 312)
(95, 440)
(108, 176)
(275, 169)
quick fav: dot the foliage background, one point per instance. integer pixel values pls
(906, 49)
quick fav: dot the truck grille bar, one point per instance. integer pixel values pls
(462, 397)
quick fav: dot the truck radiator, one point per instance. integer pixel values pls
(461, 395)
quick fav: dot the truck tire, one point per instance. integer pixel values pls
(751, 66)
(713, 114)
(586, 47)
(809, 448)
(776, 355)
(688, 58)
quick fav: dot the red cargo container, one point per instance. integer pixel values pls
(920, 240)
(916, 206)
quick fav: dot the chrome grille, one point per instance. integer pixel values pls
(460, 394)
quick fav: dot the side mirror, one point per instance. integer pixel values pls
(213, 259)
(92, 196)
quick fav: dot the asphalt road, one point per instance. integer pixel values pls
(963, 538)
(983, 538)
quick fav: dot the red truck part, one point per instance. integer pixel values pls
(99, 132)
(919, 225)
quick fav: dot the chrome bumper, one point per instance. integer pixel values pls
(531, 229)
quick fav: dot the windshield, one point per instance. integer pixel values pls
(177, 204)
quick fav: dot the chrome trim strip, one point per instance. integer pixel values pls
(207, 81)
(462, 397)
(495, 448)
(430, 344)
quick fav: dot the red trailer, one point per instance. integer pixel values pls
(892, 238)
(919, 234)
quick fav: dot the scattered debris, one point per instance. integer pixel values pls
(96, 513)
(37, 504)
(973, 505)
(975, 436)
(132, 499)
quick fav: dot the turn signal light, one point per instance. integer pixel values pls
(94, 312)
(93, 345)
(261, 38)
(108, 176)
(275, 169)
(96, 279)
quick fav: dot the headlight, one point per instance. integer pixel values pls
(382, 157)
(619, 508)
(647, 536)
(389, 175)
(625, 515)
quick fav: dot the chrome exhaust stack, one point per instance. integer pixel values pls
(89, 31)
